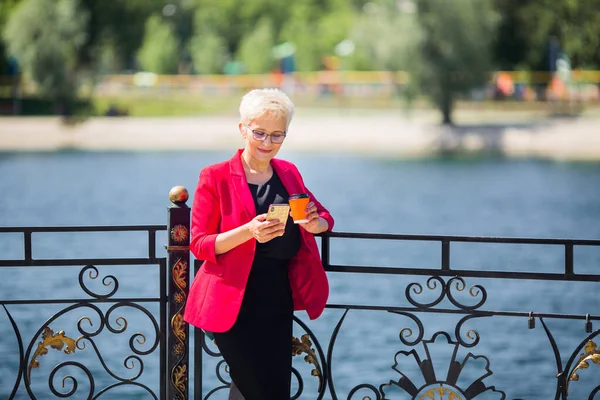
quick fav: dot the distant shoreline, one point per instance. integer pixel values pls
(385, 134)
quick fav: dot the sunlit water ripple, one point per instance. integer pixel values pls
(487, 197)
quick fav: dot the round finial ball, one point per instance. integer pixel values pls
(179, 194)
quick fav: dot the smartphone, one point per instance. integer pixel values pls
(279, 211)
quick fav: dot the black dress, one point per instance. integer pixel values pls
(258, 348)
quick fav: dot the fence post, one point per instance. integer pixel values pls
(178, 259)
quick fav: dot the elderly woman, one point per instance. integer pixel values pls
(256, 272)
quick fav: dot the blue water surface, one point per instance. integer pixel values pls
(475, 197)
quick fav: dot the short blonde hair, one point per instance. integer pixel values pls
(259, 102)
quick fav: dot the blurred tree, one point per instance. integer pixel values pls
(334, 25)
(315, 29)
(234, 19)
(115, 32)
(510, 44)
(301, 30)
(6, 7)
(455, 50)
(313, 26)
(255, 50)
(575, 25)
(385, 36)
(528, 28)
(208, 52)
(45, 36)
(159, 51)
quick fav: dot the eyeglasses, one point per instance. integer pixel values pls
(276, 138)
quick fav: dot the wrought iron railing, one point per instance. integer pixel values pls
(580, 355)
(155, 352)
(94, 321)
(446, 286)
(106, 342)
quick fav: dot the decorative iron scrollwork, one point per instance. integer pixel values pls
(432, 384)
(474, 291)
(448, 389)
(309, 345)
(407, 332)
(106, 323)
(446, 291)
(107, 281)
(591, 353)
(432, 284)
(304, 345)
(57, 341)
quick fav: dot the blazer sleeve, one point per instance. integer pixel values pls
(322, 211)
(206, 216)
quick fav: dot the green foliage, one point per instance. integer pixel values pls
(400, 30)
(334, 25)
(448, 46)
(574, 24)
(116, 28)
(6, 7)
(455, 49)
(234, 20)
(302, 32)
(256, 49)
(159, 51)
(106, 58)
(45, 36)
(208, 52)
(152, 103)
(314, 27)
(527, 27)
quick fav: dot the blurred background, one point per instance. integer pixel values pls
(452, 117)
(187, 57)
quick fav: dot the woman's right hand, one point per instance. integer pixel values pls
(263, 230)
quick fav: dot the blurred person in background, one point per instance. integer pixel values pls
(255, 272)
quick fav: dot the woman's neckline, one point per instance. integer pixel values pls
(264, 183)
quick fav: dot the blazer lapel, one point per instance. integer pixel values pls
(240, 185)
(289, 180)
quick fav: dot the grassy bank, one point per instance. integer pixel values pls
(166, 104)
(172, 104)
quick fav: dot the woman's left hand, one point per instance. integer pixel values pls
(312, 216)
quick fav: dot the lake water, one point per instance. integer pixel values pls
(475, 197)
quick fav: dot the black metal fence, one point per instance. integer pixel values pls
(106, 343)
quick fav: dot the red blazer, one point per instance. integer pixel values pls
(223, 201)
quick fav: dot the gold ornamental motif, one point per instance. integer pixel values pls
(178, 194)
(179, 273)
(56, 341)
(179, 349)
(179, 381)
(180, 269)
(179, 297)
(304, 345)
(591, 353)
(441, 393)
(179, 233)
(178, 325)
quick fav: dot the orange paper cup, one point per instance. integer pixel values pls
(298, 203)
